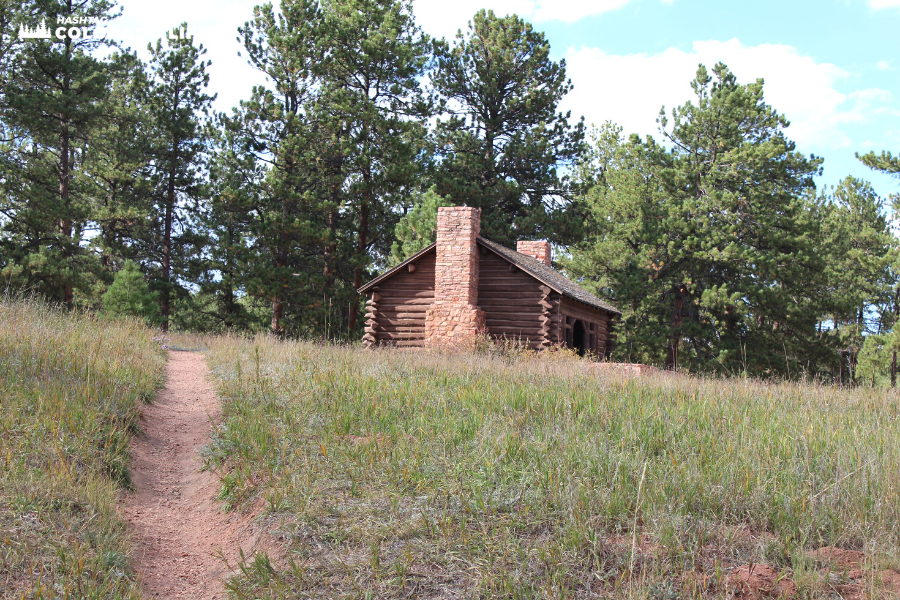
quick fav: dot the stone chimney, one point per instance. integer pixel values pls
(454, 317)
(538, 250)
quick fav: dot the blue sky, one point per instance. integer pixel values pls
(831, 66)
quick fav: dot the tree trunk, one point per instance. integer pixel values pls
(165, 295)
(672, 359)
(894, 369)
(277, 315)
(361, 244)
(65, 168)
(841, 367)
(65, 224)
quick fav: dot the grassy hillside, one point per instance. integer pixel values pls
(70, 390)
(397, 474)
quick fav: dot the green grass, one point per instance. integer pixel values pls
(70, 392)
(396, 474)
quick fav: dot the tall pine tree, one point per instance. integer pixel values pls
(52, 106)
(503, 142)
(178, 107)
(709, 245)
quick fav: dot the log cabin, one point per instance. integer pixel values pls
(465, 284)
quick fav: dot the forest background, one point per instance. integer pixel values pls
(123, 191)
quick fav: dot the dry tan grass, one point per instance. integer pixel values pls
(70, 394)
(504, 474)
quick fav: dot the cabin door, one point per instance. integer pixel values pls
(579, 337)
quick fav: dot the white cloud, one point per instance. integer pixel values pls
(629, 89)
(213, 26)
(883, 65)
(877, 4)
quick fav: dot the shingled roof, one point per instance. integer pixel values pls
(546, 275)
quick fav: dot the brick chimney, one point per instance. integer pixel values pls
(454, 317)
(538, 250)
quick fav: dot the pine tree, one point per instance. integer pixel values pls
(284, 156)
(504, 141)
(375, 58)
(117, 165)
(178, 107)
(52, 104)
(884, 162)
(129, 295)
(710, 246)
(417, 229)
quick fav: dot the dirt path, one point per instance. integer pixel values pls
(178, 526)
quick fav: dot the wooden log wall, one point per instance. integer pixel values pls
(596, 323)
(513, 302)
(399, 318)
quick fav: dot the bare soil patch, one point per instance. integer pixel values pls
(182, 534)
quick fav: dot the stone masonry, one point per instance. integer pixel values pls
(454, 318)
(538, 250)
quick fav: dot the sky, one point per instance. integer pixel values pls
(832, 67)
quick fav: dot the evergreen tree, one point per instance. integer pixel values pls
(418, 228)
(117, 165)
(129, 295)
(709, 246)
(52, 104)
(504, 141)
(178, 106)
(861, 252)
(332, 146)
(375, 58)
(283, 157)
(884, 162)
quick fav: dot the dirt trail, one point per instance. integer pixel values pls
(179, 528)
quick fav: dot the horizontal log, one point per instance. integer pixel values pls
(545, 304)
(512, 318)
(385, 323)
(497, 298)
(369, 338)
(408, 289)
(507, 282)
(406, 302)
(404, 309)
(419, 293)
(516, 334)
(396, 335)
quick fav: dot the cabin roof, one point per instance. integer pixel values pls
(546, 275)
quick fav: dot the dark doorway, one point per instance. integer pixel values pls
(578, 337)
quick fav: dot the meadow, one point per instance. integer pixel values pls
(71, 387)
(391, 473)
(494, 474)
